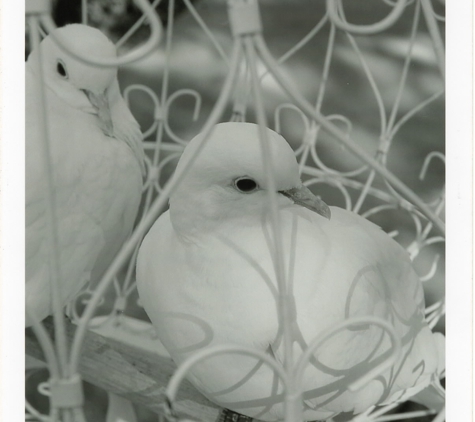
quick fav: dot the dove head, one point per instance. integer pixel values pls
(227, 182)
(82, 86)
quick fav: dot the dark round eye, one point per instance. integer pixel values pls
(61, 69)
(245, 185)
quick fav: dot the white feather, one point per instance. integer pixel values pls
(206, 276)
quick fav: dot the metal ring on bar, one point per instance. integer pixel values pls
(153, 41)
(394, 15)
(244, 18)
(67, 392)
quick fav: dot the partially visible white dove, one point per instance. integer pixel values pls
(97, 163)
(206, 277)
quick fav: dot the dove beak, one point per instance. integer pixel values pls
(304, 197)
(100, 102)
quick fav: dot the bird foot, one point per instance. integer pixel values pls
(227, 415)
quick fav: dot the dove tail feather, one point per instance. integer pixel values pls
(432, 397)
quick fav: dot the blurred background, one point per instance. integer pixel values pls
(195, 63)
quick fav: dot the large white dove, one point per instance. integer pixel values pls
(206, 277)
(97, 165)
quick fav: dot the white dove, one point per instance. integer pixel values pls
(206, 277)
(97, 164)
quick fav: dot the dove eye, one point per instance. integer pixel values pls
(61, 69)
(245, 185)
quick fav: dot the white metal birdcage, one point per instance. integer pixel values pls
(256, 80)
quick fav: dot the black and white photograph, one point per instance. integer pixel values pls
(236, 211)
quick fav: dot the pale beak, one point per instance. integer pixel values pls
(100, 103)
(304, 197)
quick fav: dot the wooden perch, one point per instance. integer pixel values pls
(135, 373)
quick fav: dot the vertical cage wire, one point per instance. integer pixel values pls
(163, 147)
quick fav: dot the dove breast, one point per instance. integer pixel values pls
(222, 290)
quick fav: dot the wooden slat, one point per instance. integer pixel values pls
(139, 375)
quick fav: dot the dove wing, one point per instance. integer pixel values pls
(360, 271)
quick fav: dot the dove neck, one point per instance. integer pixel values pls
(198, 216)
